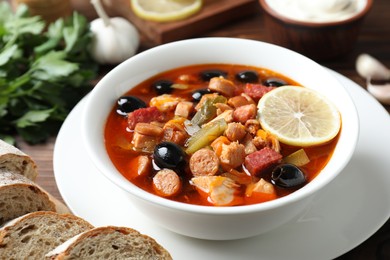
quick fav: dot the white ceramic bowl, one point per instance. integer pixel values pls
(217, 223)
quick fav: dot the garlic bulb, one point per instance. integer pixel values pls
(370, 68)
(380, 92)
(115, 39)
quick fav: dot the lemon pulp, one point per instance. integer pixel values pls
(165, 10)
(299, 116)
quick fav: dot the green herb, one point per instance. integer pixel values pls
(44, 71)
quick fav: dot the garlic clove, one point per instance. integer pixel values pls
(370, 68)
(380, 92)
(115, 39)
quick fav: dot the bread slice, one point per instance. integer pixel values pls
(19, 196)
(32, 235)
(12, 159)
(110, 242)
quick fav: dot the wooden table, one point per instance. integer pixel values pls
(374, 39)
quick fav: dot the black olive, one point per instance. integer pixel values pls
(198, 94)
(127, 104)
(248, 76)
(274, 82)
(163, 86)
(169, 155)
(206, 75)
(287, 176)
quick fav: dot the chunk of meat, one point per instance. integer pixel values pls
(165, 102)
(260, 160)
(232, 155)
(252, 126)
(235, 131)
(223, 86)
(144, 115)
(166, 183)
(184, 109)
(204, 162)
(247, 141)
(217, 144)
(174, 132)
(238, 101)
(244, 113)
(148, 129)
(145, 143)
(266, 139)
(221, 107)
(146, 136)
(219, 190)
(256, 91)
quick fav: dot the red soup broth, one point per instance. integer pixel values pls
(118, 138)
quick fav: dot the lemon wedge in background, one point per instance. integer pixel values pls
(299, 116)
(165, 10)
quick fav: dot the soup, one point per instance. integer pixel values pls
(192, 135)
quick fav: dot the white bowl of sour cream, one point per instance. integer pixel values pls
(321, 29)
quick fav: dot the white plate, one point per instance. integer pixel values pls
(343, 215)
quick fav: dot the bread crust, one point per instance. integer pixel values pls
(13, 159)
(32, 235)
(112, 242)
(19, 195)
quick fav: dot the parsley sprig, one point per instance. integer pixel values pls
(44, 72)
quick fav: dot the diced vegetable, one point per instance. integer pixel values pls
(298, 158)
(205, 136)
(208, 111)
(221, 191)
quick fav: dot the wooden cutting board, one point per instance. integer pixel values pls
(214, 13)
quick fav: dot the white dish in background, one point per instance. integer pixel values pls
(342, 215)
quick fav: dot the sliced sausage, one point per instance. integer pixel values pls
(223, 86)
(260, 160)
(166, 183)
(204, 162)
(143, 115)
(256, 91)
(139, 166)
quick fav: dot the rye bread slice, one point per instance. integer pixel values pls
(110, 242)
(14, 160)
(32, 235)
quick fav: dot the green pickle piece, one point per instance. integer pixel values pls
(208, 111)
(205, 135)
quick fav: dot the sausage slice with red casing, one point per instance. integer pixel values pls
(204, 162)
(166, 183)
(260, 160)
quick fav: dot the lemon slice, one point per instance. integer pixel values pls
(299, 116)
(165, 10)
